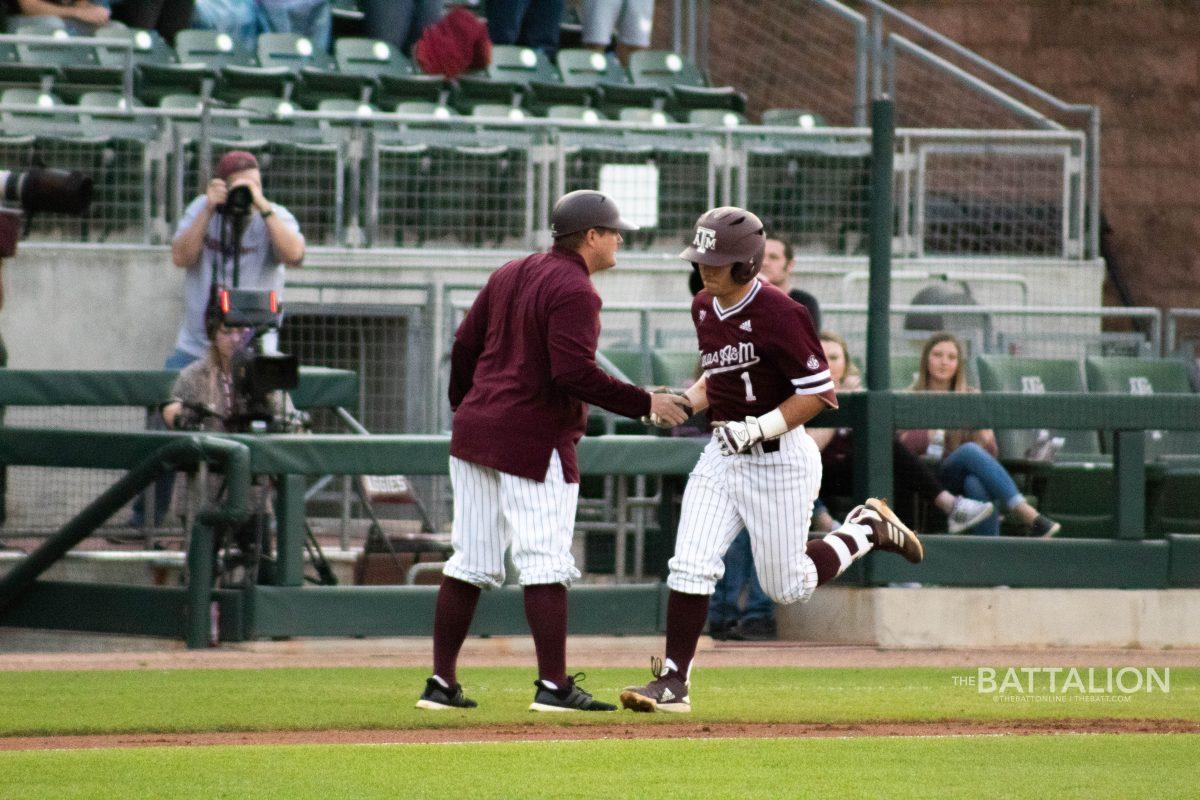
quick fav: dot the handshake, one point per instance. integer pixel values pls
(668, 408)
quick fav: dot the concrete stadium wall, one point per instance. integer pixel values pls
(944, 617)
(118, 307)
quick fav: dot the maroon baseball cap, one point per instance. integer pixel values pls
(235, 161)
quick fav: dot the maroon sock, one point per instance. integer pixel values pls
(686, 614)
(546, 612)
(826, 559)
(451, 620)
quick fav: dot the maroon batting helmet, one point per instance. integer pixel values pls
(728, 235)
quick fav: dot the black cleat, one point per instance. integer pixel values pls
(667, 692)
(438, 698)
(571, 697)
(888, 533)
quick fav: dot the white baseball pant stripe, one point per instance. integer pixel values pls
(769, 494)
(493, 510)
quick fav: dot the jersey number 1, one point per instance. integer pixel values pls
(750, 398)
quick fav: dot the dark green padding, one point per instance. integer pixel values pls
(1175, 507)
(1028, 563)
(1184, 569)
(675, 368)
(319, 387)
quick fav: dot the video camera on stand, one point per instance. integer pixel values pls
(257, 373)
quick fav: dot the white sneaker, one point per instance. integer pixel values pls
(968, 513)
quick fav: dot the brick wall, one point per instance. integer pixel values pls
(1139, 61)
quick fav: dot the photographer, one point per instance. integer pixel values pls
(204, 245)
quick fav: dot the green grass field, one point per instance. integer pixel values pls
(1059, 766)
(36, 703)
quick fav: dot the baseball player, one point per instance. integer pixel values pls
(764, 376)
(522, 368)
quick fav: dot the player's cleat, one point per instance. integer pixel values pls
(567, 698)
(667, 692)
(888, 533)
(967, 513)
(438, 698)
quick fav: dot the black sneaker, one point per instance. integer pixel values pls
(1045, 527)
(667, 692)
(438, 698)
(720, 631)
(567, 698)
(755, 629)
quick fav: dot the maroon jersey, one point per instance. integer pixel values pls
(524, 365)
(758, 353)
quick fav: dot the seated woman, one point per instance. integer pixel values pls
(968, 457)
(910, 474)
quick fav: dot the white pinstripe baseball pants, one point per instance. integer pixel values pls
(493, 509)
(771, 495)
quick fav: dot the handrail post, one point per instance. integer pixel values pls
(199, 587)
(878, 434)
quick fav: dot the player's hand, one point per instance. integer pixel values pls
(738, 437)
(216, 193)
(668, 410)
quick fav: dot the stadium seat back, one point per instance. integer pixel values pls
(28, 122)
(49, 53)
(1144, 376)
(664, 69)
(291, 50)
(148, 47)
(646, 116)
(793, 117)
(716, 118)
(587, 68)
(675, 368)
(370, 57)
(211, 48)
(520, 64)
(573, 113)
(498, 111)
(999, 373)
(425, 108)
(630, 362)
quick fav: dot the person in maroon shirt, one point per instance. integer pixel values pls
(522, 369)
(764, 376)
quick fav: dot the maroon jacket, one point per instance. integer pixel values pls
(524, 365)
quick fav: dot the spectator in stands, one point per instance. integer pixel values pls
(967, 458)
(312, 19)
(270, 242)
(532, 23)
(75, 16)
(778, 261)
(168, 17)
(631, 19)
(400, 22)
(910, 474)
(238, 18)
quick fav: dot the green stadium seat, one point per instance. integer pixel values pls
(674, 368)
(632, 363)
(118, 123)
(792, 118)
(1175, 505)
(644, 116)
(499, 111)
(507, 80)
(395, 78)
(904, 371)
(27, 123)
(15, 74)
(58, 58)
(717, 118)
(574, 113)
(426, 108)
(201, 55)
(276, 70)
(999, 373)
(1129, 375)
(664, 69)
(585, 71)
(722, 98)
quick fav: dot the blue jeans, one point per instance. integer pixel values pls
(309, 18)
(400, 22)
(163, 486)
(532, 23)
(972, 471)
(739, 573)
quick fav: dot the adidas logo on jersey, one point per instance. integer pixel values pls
(703, 315)
(745, 326)
(812, 362)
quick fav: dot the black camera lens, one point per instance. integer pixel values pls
(238, 200)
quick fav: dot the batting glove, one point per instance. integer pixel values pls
(739, 437)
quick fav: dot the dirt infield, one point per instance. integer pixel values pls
(588, 731)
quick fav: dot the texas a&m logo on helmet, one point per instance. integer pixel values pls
(706, 239)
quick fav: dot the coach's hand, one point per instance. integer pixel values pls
(738, 437)
(668, 410)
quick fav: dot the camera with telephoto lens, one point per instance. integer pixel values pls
(237, 202)
(37, 190)
(256, 373)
